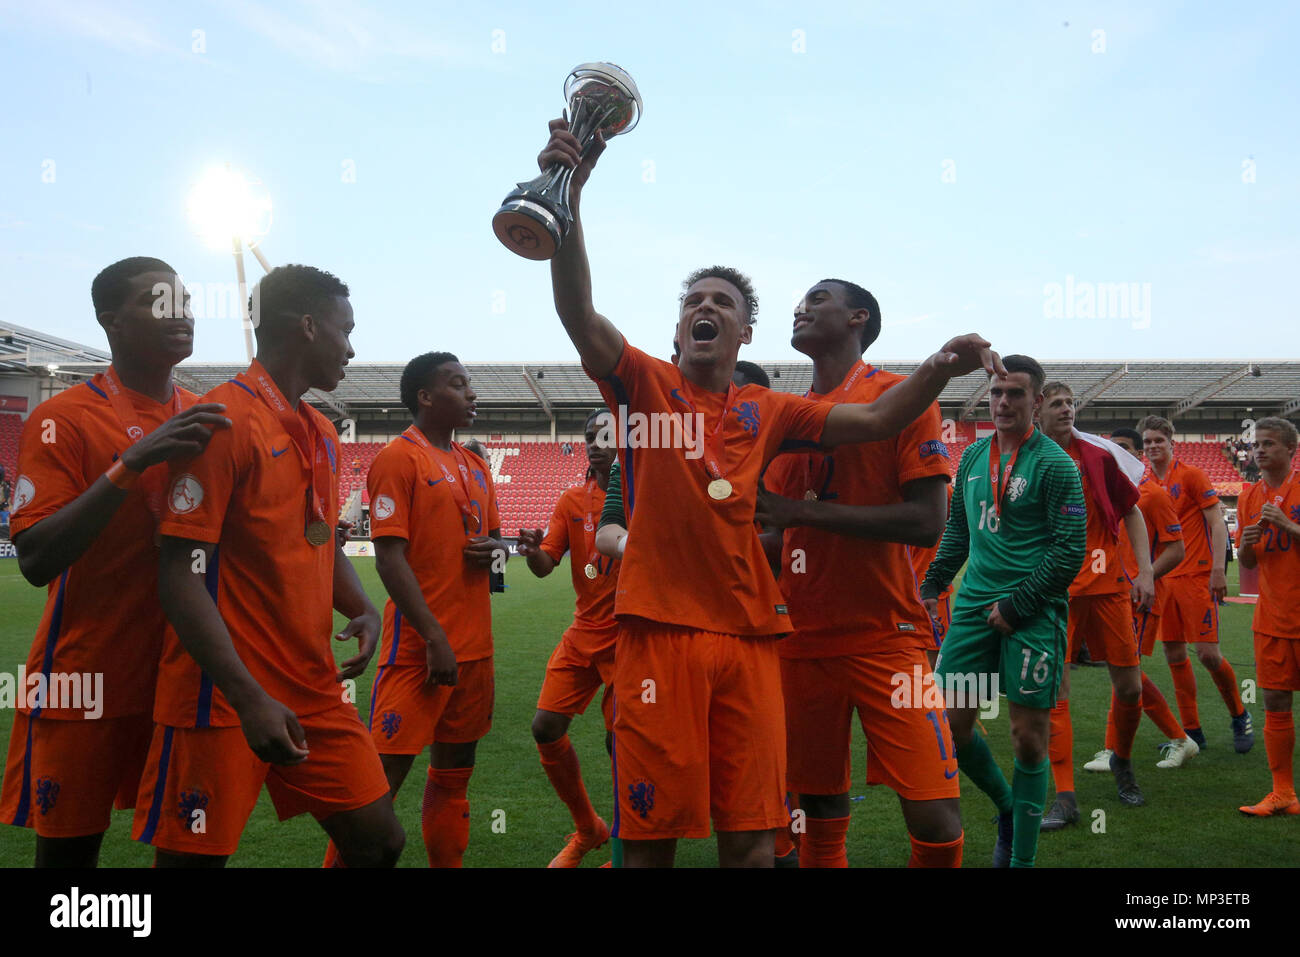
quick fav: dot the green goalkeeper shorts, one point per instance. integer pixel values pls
(1027, 664)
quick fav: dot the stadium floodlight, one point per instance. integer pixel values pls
(232, 210)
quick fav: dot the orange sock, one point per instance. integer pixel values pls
(332, 858)
(1060, 747)
(1110, 723)
(560, 762)
(1156, 706)
(1226, 681)
(444, 816)
(1279, 743)
(1185, 692)
(936, 855)
(1127, 718)
(823, 843)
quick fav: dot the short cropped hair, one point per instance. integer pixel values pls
(733, 276)
(855, 297)
(753, 373)
(1133, 435)
(1156, 423)
(1283, 427)
(287, 293)
(110, 287)
(1029, 366)
(1055, 386)
(416, 376)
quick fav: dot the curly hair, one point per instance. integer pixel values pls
(727, 274)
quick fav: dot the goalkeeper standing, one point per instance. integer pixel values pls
(1018, 520)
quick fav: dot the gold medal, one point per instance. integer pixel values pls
(810, 496)
(719, 489)
(590, 570)
(318, 533)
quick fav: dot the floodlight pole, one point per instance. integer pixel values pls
(243, 297)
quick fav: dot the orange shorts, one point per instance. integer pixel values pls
(572, 678)
(201, 784)
(1105, 624)
(1189, 612)
(908, 748)
(1146, 628)
(93, 765)
(1277, 662)
(406, 717)
(698, 732)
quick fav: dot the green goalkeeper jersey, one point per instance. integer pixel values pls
(1025, 554)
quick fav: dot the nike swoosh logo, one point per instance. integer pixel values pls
(678, 396)
(433, 483)
(1024, 690)
(276, 455)
(972, 478)
(950, 776)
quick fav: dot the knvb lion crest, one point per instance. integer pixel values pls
(1016, 487)
(389, 722)
(190, 801)
(641, 795)
(47, 793)
(747, 412)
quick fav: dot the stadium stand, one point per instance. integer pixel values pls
(11, 426)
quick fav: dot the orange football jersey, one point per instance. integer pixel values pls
(852, 595)
(1191, 491)
(573, 529)
(1277, 612)
(102, 615)
(247, 494)
(1102, 572)
(416, 492)
(693, 560)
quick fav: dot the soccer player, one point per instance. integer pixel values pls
(846, 575)
(699, 730)
(1268, 534)
(1018, 521)
(250, 572)
(86, 506)
(1165, 537)
(1196, 587)
(433, 519)
(1101, 600)
(584, 658)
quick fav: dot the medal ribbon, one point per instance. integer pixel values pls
(589, 526)
(715, 442)
(152, 480)
(459, 490)
(293, 423)
(995, 457)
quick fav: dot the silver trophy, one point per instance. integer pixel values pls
(535, 217)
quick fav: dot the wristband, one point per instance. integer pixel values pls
(121, 476)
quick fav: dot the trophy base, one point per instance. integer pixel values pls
(528, 229)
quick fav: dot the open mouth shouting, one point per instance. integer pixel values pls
(704, 329)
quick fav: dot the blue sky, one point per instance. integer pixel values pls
(957, 159)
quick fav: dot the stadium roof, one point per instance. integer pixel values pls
(1178, 385)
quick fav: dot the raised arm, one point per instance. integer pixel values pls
(917, 520)
(599, 343)
(888, 415)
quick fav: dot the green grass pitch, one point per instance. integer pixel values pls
(1190, 820)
